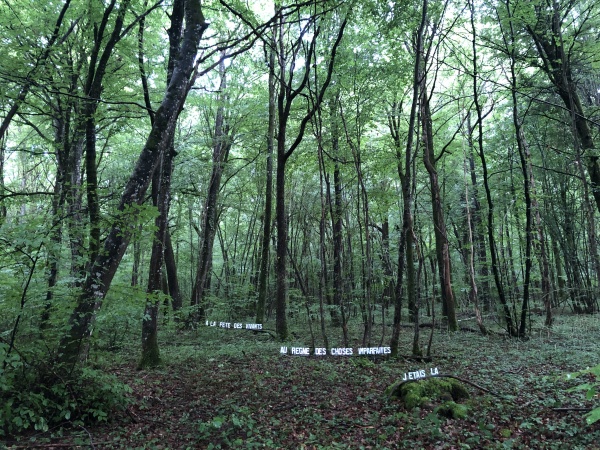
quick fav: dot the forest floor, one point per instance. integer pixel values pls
(232, 389)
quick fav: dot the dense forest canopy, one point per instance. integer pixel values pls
(359, 162)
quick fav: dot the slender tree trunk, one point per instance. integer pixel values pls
(161, 186)
(367, 260)
(282, 237)
(99, 59)
(405, 247)
(441, 238)
(172, 278)
(473, 294)
(322, 247)
(521, 146)
(336, 212)
(3, 209)
(221, 147)
(525, 305)
(560, 277)
(268, 214)
(473, 217)
(477, 219)
(161, 193)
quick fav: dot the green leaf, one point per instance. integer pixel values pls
(217, 422)
(593, 416)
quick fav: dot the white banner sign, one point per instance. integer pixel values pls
(235, 325)
(418, 374)
(335, 351)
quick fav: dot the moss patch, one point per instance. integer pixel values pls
(452, 410)
(431, 390)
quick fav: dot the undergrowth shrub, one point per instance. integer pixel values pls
(37, 397)
(591, 388)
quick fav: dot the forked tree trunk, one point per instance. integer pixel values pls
(161, 191)
(441, 237)
(286, 95)
(74, 345)
(547, 35)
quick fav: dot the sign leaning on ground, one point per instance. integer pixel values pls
(235, 325)
(335, 351)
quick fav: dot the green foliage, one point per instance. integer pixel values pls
(452, 410)
(591, 388)
(236, 430)
(42, 396)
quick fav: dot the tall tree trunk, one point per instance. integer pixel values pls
(473, 292)
(161, 187)
(285, 98)
(74, 345)
(99, 59)
(363, 219)
(405, 247)
(282, 237)
(161, 192)
(336, 212)
(268, 214)
(3, 209)
(323, 285)
(476, 211)
(221, 147)
(473, 215)
(509, 42)
(172, 282)
(441, 237)
(525, 305)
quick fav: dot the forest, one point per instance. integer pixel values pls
(300, 224)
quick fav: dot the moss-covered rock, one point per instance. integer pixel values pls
(430, 391)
